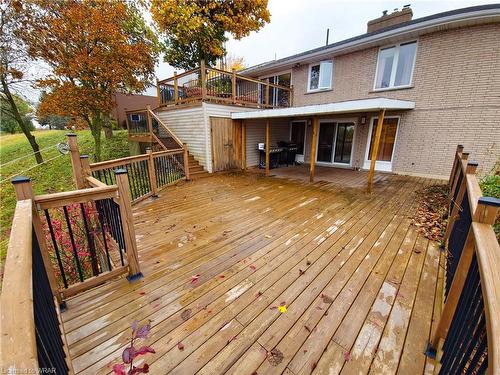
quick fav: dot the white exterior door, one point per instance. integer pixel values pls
(387, 144)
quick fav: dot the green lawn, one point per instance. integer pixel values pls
(50, 177)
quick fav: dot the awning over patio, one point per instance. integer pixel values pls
(350, 106)
(380, 105)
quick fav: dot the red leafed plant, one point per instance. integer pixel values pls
(131, 352)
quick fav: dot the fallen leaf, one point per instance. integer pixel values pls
(142, 293)
(221, 276)
(347, 356)
(275, 357)
(308, 262)
(267, 236)
(252, 267)
(186, 314)
(326, 299)
(282, 309)
(194, 279)
(301, 272)
(180, 346)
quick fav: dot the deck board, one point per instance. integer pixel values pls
(347, 265)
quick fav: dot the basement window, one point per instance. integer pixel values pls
(395, 66)
(320, 76)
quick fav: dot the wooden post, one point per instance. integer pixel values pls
(86, 172)
(233, 86)
(243, 145)
(152, 172)
(186, 161)
(158, 92)
(24, 190)
(149, 120)
(314, 144)
(375, 148)
(266, 96)
(487, 208)
(176, 89)
(203, 72)
(290, 101)
(456, 164)
(268, 145)
(75, 161)
(134, 270)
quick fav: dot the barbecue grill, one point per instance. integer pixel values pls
(288, 154)
(274, 157)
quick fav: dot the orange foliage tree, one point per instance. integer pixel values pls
(196, 29)
(93, 49)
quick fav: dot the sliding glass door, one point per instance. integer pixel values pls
(335, 142)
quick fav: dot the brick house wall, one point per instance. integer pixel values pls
(456, 88)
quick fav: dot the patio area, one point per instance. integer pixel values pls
(245, 274)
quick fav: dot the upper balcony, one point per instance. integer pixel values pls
(222, 87)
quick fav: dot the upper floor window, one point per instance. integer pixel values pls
(320, 76)
(395, 65)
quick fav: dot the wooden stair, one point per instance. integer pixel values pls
(195, 169)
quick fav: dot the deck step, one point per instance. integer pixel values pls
(198, 174)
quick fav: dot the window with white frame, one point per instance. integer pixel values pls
(320, 76)
(395, 65)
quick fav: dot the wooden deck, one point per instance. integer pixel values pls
(361, 289)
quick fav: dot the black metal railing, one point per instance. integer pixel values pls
(83, 239)
(138, 177)
(169, 168)
(465, 349)
(137, 122)
(49, 343)
(457, 240)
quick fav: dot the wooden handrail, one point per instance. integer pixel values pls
(17, 320)
(46, 201)
(116, 162)
(160, 122)
(488, 255)
(168, 152)
(177, 75)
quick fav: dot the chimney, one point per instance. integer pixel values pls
(395, 18)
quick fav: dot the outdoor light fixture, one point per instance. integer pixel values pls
(363, 120)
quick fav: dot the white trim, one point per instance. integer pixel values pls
(336, 121)
(384, 166)
(350, 106)
(300, 157)
(394, 69)
(410, 31)
(309, 89)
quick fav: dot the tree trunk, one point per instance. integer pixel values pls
(108, 130)
(19, 119)
(95, 125)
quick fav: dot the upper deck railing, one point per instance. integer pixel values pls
(219, 86)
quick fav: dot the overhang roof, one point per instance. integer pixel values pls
(411, 29)
(350, 106)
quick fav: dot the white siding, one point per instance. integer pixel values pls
(189, 125)
(256, 133)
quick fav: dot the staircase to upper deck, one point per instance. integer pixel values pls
(145, 126)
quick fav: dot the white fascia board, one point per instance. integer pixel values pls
(456, 20)
(362, 105)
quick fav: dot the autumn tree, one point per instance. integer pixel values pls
(9, 122)
(94, 49)
(14, 63)
(197, 29)
(231, 62)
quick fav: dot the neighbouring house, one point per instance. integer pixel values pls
(126, 102)
(435, 80)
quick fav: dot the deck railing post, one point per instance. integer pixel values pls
(24, 190)
(158, 93)
(149, 120)
(233, 86)
(186, 161)
(243, 145)
(134, 270)
(375, 147)
(314, 143)
(176, 89)
(85, 163)
(203, 75)
(152, 172)
(75, 161)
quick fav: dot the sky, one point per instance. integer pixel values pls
(300, 25)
